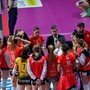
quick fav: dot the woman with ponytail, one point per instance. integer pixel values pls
(52, 73)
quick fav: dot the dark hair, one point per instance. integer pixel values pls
(70, 44)
(75, 31)
(78, 35)
(17, 30)
(81, 24)
(20, 36)
(81, 42)
(61, 40)
(25, 53)
(36, 48)
(5, 38)
(25, 36)
(54, 27)
(36, 28)
(65, 48)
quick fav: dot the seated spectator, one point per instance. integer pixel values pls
(82, 4)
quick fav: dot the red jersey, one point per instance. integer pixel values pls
(39, 40)
(52, 68)
(67, 78)
(13, 54)
(5, 59)
(79, 51)
(87, 37)
(66, 62)
(37, 66)
(85, 67)
(71, 53)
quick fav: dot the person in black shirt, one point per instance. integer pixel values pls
(52, 39)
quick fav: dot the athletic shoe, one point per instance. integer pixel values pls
(84, 15)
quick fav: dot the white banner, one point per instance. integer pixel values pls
(29, 3)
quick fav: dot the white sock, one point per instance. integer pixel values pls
(86, 86)
(13, 88)
(4, 81)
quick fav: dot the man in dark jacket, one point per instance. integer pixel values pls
(51, 40)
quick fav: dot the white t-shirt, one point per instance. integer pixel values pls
(58, 51)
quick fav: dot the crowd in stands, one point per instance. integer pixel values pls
(32, 65)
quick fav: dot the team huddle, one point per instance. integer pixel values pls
(33, 66)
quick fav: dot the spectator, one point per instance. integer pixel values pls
(11, 6)
(82, 4)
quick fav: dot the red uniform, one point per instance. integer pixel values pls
(5, 59)
(87, 37)
(39, 40)
(68, 78)
(13, 54)
(85, 67)
(52, 68)
(37, 66)
(73, 55)
(79, 51)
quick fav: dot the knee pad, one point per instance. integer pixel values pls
(4, 81)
